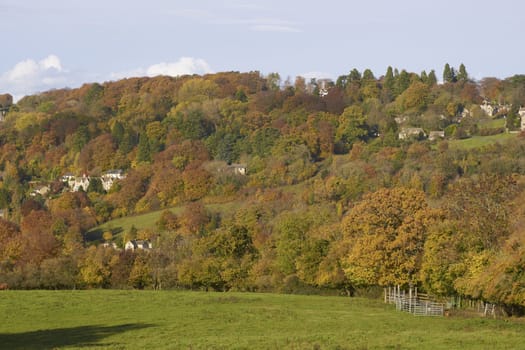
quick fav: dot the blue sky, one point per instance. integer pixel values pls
(64, 43)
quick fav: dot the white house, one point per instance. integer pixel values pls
(407, 133)
(435, 135)
(239, 169)
(80, 183)
(41, 190)
(110, 176)
(135, 244)
(521, 112)
(112, 245)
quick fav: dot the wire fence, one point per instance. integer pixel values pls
(414, 303)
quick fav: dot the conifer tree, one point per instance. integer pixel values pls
(462, 74)
(449, 75)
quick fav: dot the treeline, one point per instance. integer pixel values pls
(332, 199)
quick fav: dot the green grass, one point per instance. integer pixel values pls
(105, 319)
(148, 220)
(480, 141)
(493, 123)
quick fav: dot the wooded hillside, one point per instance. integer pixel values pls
(359, 182)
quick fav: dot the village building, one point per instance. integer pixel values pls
(109, 177)
(436, 135)
(112, 245)
(40, 190)
(238, 169)
(136, 244)
(521, 113)
(324, 85)
(408, 133)
(77, 183)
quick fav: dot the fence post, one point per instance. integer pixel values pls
(410, 299)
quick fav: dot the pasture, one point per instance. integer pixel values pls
(112, 319)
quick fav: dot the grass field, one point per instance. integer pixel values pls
(147, 220)
(480, 141)
(105, 319)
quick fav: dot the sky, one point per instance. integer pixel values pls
(65, 43)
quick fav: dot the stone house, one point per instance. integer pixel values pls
(109, 177)
(408, 133)
(436, 135)
(238, 169)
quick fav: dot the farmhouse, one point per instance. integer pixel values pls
(109, 177)
(75, 183)
(436, 135)
(238, 169)
(407, 133)
(135, 244)
(40, 190)
(112, 245)
(521, 112)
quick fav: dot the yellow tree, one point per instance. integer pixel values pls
(385, 235)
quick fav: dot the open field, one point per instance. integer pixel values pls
(110, 319)
(148, 220)
(480, 141)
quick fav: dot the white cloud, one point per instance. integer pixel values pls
(30, 76)
(185, 65)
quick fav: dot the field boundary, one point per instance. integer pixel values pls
(414, 303)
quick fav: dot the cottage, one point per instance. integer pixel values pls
(238, 169)
(135, 244)
(487, 108)
(408, 133)
(112, 245)
(67, 177)
(435, 135)
(521, 112)
(80, 183)
(41, 190)
(324, 86)
(109, 177)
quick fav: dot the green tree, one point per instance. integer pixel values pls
(432, 79)
(449, 74)
(462, 74)
(352, 127)
(143, 150)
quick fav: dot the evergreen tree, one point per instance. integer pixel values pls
(462, 74)
(143, 151)
(354, 76)
(432, 79)
(368, 75)
(449, 75)
(424, 77)
(389, 79)
(402, 82)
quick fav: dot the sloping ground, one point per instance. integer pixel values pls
(147, 221)
(106, 319)
(480, 141)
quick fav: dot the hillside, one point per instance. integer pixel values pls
(243, 182)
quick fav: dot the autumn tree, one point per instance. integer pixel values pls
(385, 235)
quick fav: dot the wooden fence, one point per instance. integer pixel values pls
(414, 303)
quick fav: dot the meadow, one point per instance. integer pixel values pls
(112, 319)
